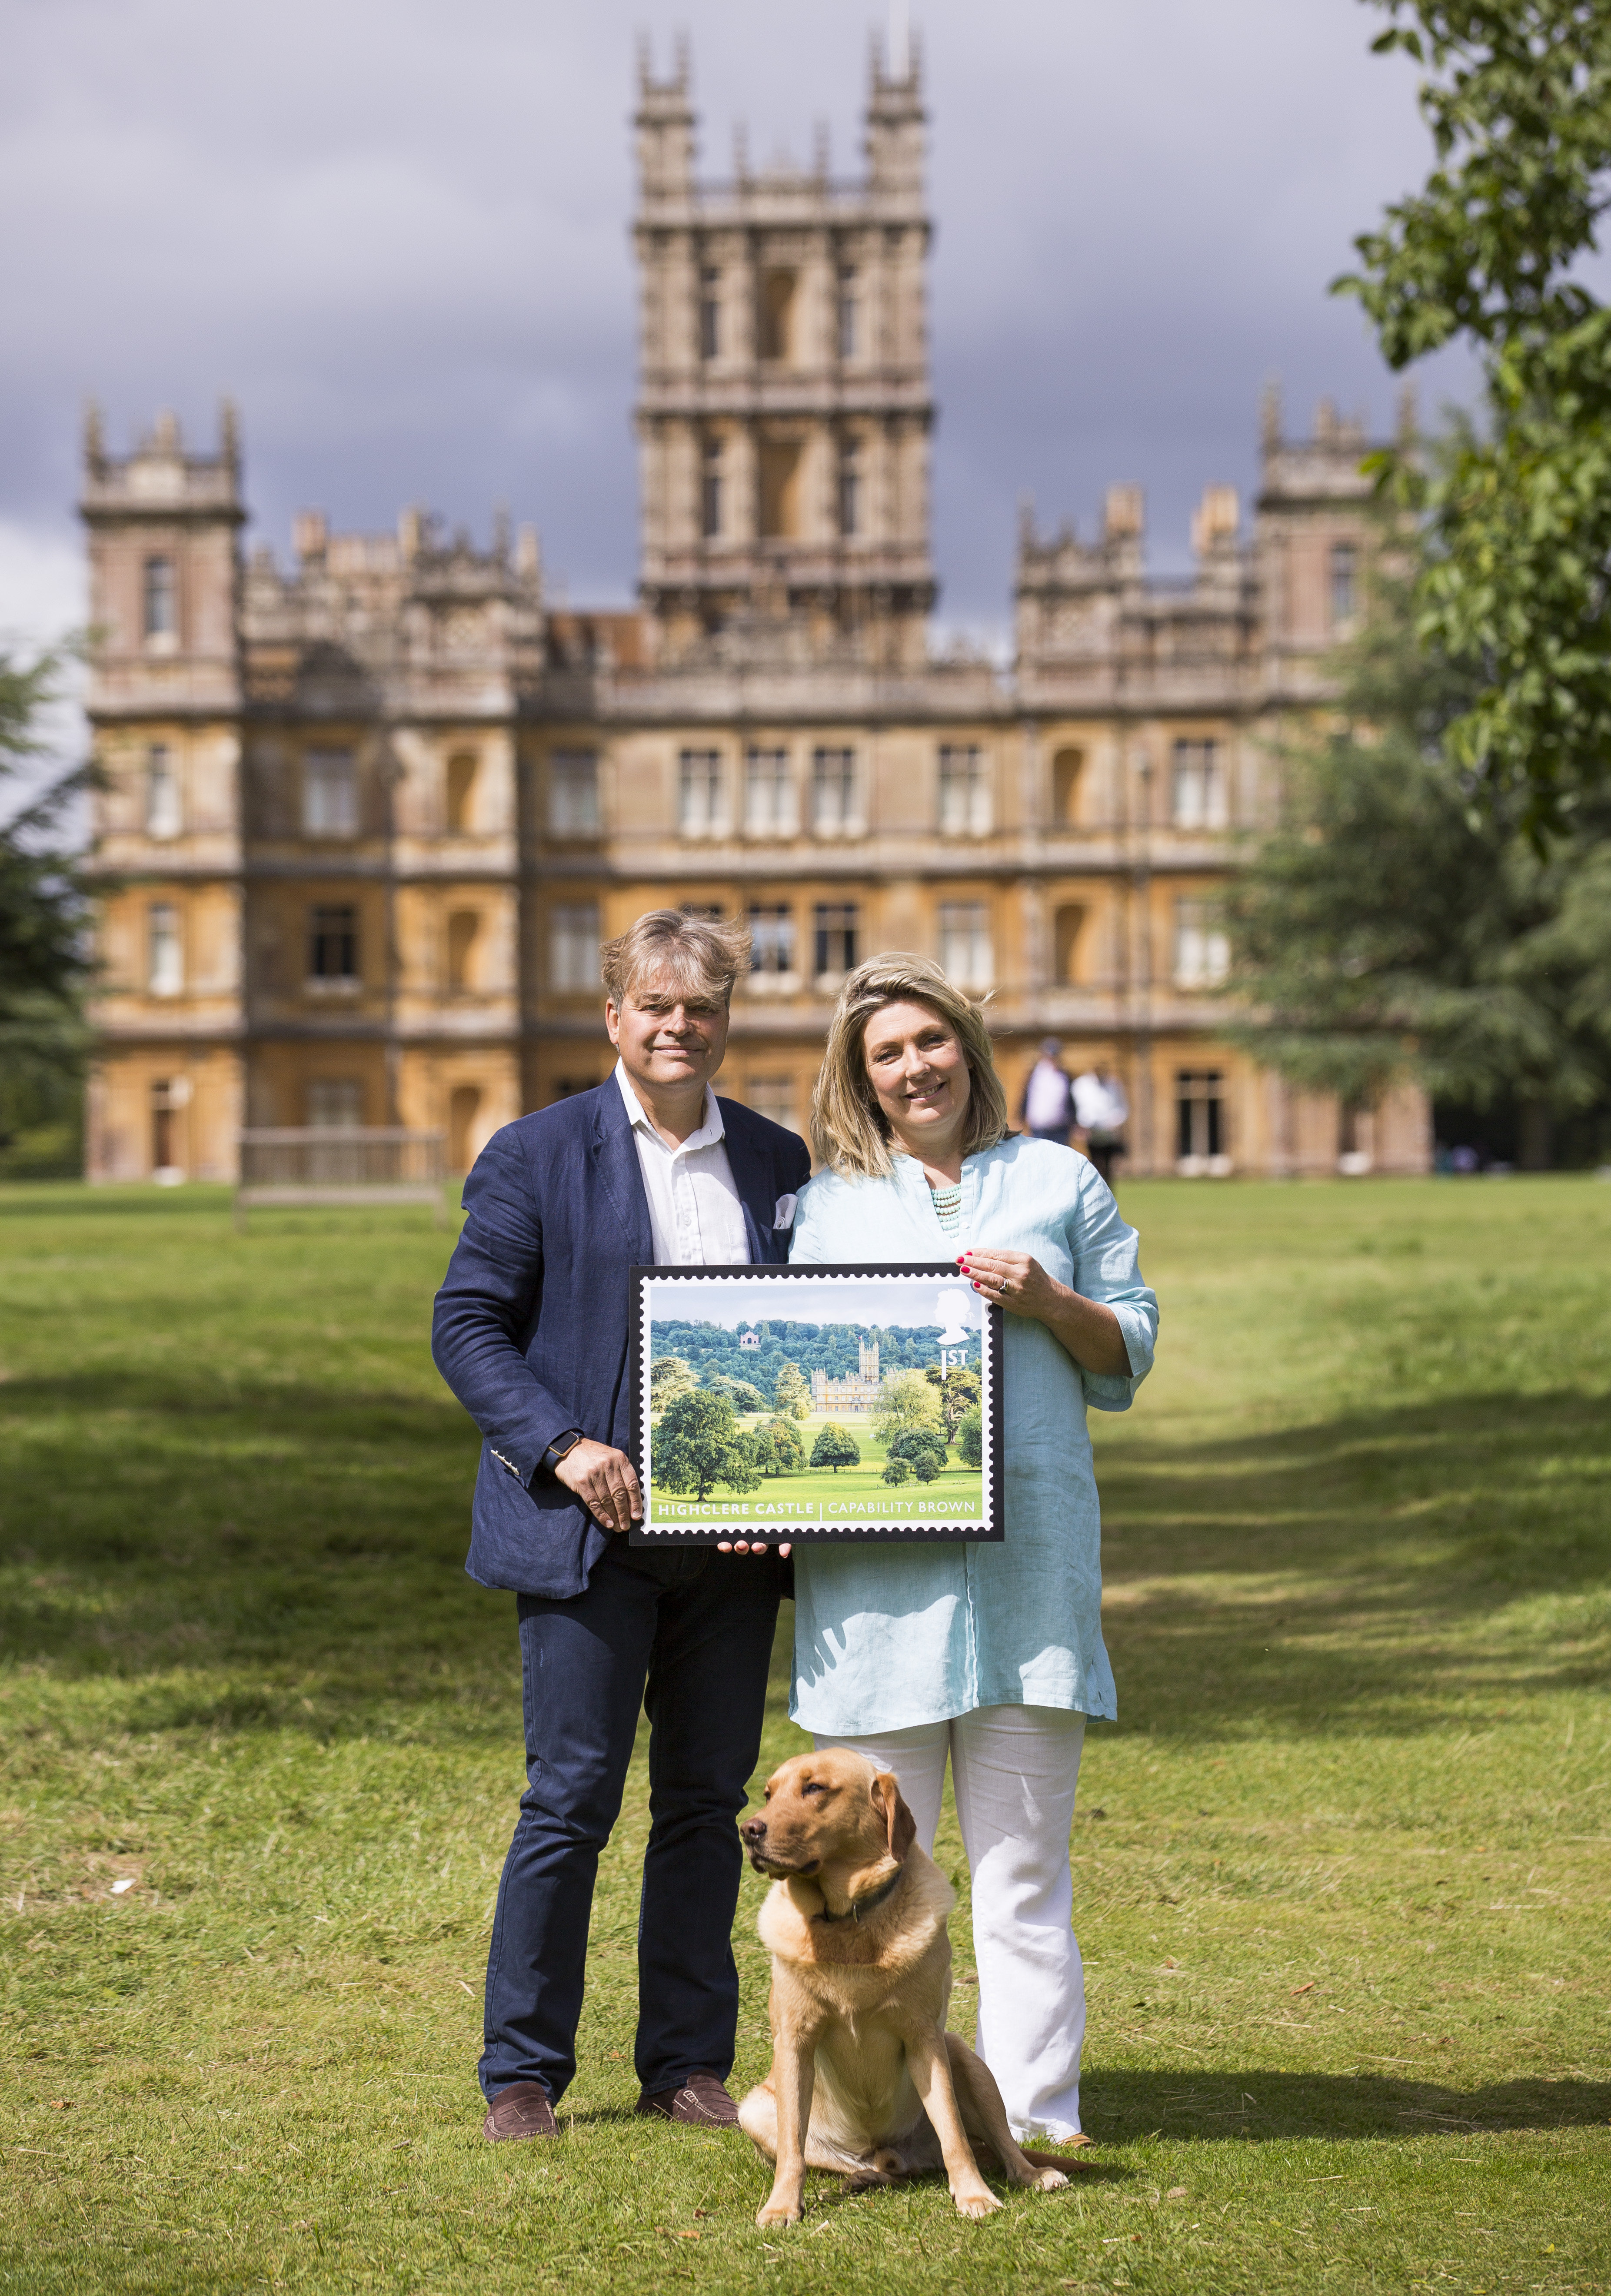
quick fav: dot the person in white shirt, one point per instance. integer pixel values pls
(1101, 1113)
(530, 1332)
(1046, 1109)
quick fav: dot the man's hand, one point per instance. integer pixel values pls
(743, 1546)
(603, 1479)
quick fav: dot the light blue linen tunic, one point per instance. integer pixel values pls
(887, 1638)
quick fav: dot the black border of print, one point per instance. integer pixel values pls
(732, 1518)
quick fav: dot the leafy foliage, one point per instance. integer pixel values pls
(906, 1401)
(897, 1471)
(790, 1392)
(45, 958)
(923, 1448)
(958, 1392)
(780, 1448)
(970, 1437)
(698, 1443)
(1518, 516)
(740, 1393)
(669, 1376)
(1386, 928)
(835, 1448)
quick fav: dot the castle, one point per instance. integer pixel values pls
(364, 819)
(859, 1392)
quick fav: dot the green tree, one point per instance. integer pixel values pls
(698, 1443)
(669, 1376)
(834, 1447)
(958, 1392)
(45, 959)
(1385, 929)
(970, 1437)
(897, 1471)
(905, 1403)
(1518, 515)
(919, 1445)
(790, 1392)
(743, 1395)
(785, 1453)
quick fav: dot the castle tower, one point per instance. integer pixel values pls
(164, 705)
(870, 1360)
(785, 404)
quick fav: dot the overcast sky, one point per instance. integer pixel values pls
(396, 231)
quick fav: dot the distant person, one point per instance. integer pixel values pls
(988, 1656)
(530, 1334)
(1047, 1109)
(1101, 1113)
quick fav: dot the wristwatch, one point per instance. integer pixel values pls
(557, 1450)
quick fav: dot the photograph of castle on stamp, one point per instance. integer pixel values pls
(825, 1403)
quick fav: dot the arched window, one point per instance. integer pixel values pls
(1067, 765)
(461, 792)
(464, 929)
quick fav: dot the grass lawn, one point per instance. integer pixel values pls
(1342, 1869)
(828, 1490)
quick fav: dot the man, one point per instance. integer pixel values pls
(530, 1334)
(1047, 1109)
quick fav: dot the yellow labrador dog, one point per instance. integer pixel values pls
(865, 2078)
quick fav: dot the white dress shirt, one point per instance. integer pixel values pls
(695, 1213)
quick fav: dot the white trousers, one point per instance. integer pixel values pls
(1015, 1770)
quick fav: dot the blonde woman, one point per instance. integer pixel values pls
(991, 1656)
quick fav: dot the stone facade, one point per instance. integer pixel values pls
(365, 819)
(858, 1390)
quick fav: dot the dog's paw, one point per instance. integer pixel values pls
(779, 2212)
(1047, 2180)
(980, 2203)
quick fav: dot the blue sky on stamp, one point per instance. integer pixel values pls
(396, 232)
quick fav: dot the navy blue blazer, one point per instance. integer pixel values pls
(531, 1325)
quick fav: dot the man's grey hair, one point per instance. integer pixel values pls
(697, 958)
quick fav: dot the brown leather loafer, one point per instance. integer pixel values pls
(701, 2103)
(524, 2109)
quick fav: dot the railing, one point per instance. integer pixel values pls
(340, 1164)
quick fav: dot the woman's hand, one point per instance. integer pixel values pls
(1083, 1328)
(760, 1546)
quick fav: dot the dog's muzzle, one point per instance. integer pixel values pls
(753, 1833)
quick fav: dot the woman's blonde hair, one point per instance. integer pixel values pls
(849, 1129)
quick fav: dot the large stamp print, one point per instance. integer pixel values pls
(814, 1403)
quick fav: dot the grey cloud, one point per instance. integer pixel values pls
(398, 233)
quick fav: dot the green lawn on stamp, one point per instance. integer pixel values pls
(1342, 1867)
(829, 1488)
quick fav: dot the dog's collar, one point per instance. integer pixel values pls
(859, 1905)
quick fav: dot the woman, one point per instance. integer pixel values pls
(990, 1654)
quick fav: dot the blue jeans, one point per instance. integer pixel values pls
(691, 1636)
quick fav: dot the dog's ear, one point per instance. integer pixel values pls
(900, 1826)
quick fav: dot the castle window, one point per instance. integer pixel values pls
(768, 794)
(335, 1103)
(158, 599)
(710, 489)
(777, 314)
(573, 793)
(833, 792)
(700, 809)
(1202, 947)
(462, 771)
(846, 312)
(463, 931)
(965, 793)
(1199, 791)
(1344, 583)
(771, 938)
(330, 794)
(833, 933)
(574, 947)
(1201, 1139)
(710, 313)
(850, 488)
(164, 816)
(332, 945)
(164, 955)
(965, 954)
